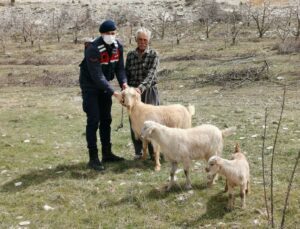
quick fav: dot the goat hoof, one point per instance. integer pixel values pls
(157, 168)
(168, 188)
(228, 209)
(188, 187)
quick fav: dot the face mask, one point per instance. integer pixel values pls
(109, 39)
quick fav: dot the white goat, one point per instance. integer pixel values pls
(185, 145)
(169, 115)
(236, 171)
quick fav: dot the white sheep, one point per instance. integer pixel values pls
(236, 172)
(170, 115)
(185, 145)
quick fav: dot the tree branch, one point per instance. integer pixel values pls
(272, 160)
(288, 191)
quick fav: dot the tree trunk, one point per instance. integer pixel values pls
(207, 32)
(58, 35)
(3, 46)
(233, 41)
(131, 32)
(12, 2)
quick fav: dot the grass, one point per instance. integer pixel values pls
(42, 145)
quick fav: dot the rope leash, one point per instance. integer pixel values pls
(121, 121)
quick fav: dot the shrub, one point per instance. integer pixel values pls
(288, 46)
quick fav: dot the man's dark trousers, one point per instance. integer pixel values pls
(97, 106)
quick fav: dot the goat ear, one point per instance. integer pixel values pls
(216, 160)
(146, 131)
(150, 130)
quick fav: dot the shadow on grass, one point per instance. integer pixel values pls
(161, 192)
(215, 209)
(35, 177)
(74, 171)
(126, 165)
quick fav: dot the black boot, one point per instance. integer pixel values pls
(94, 162)
(108, 156)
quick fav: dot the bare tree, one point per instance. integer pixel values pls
(59, 20)
(180, 27)
(14, 24)
(6, 27)
(38, 27)
(33, 27)
(263, 166)
(128, 29)
(234, 25)
(245, 9)
(209, 10)
(119, 14)
(159, 28)
(75, 29)
(130, 35)
(3, 42)
(272, 159)
(288, 191)
(263, 18)
(28, 32)
(296, 31)
(89, 22)
(270, 214)
(126, 19)
(132, 20)
(283, 28)
(24, 27)
(29, 27)
(78, 22)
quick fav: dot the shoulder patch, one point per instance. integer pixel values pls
(87, 44)
(93, 59)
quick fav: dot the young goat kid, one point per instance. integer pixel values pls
(185, 145)
(236, 172)
(171, 115)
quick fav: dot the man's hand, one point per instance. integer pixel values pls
(124, 86)
(138, 90)
(118, 96)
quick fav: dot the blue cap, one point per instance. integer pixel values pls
(107, 26)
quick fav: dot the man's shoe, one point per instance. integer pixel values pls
(108, 156)
(112, 158)
(95, 165)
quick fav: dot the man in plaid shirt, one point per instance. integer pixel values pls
(141, 70)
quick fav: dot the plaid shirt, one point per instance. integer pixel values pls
(141, 71)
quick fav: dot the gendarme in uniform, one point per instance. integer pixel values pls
(103, 60)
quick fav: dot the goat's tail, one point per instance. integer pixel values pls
(237, 148)
(191, 109)
(228, 131)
